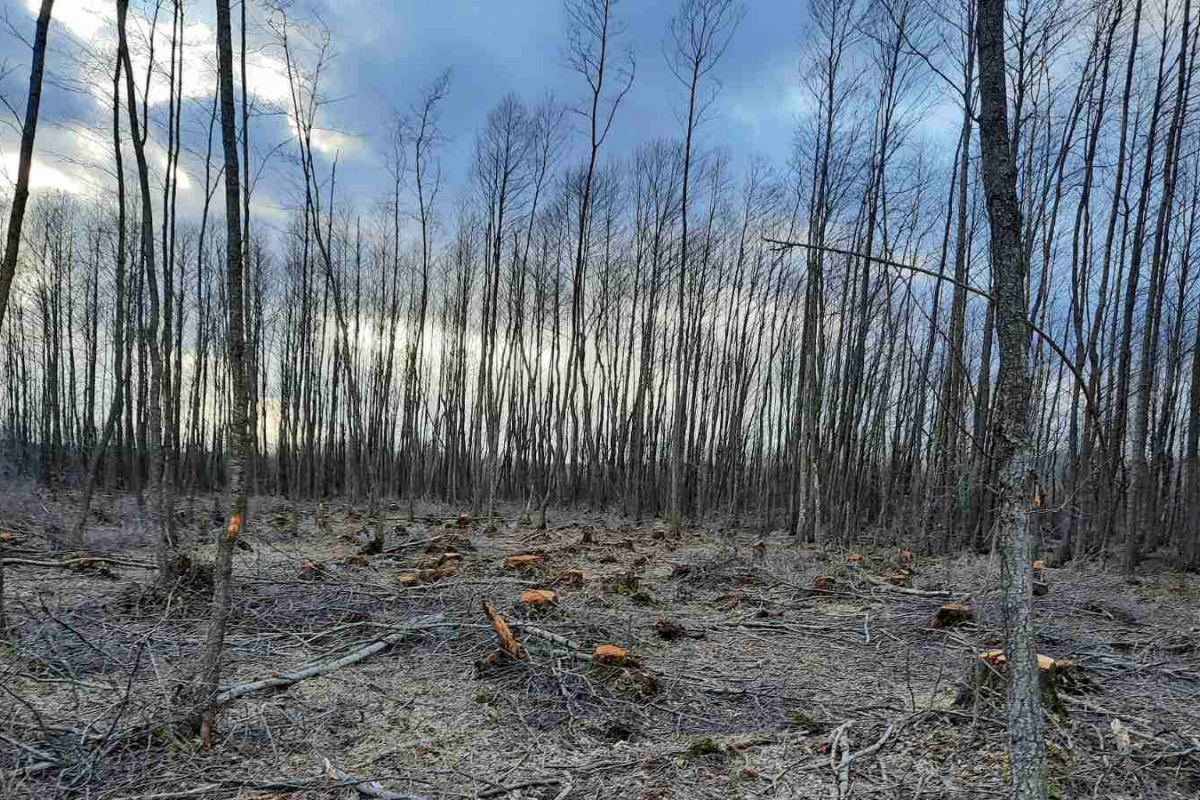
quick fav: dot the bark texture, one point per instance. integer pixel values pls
(209, 676)
(16, 214)
(1011, 445)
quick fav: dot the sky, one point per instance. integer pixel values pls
(385, 53)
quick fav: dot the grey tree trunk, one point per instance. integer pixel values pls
(204, 710)
(16, 213)
(1011, 445)
(153, 423)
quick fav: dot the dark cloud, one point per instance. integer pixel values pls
(387, 51)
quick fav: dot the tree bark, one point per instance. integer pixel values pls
(1011, 446)
(204, 710)
(16, 213)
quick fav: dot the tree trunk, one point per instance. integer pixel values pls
(204, 709)
(16, 213)
(1011, 446)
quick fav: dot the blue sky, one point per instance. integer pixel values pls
(496, 47)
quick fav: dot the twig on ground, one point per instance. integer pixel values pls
(368, 788)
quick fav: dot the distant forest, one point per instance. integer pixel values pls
(805, 344)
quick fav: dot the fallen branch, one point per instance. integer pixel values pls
(33, 751)
(903, 590)
(501, 790)
(557, 638)
(367, 787)
(72, 562)
(275, 785)
(841, 743)
(282, 679)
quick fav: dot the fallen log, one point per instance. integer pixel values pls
(282, 679)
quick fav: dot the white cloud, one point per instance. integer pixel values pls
(331, 142)
(83, 19)
(42, 177)
(95, 21)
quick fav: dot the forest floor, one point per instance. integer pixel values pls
(746, 682)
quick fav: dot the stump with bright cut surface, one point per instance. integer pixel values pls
(534, 598)
(988, 677)
(523, 560)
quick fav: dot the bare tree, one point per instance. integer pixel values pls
(1011, 445)
(700, 33)
(591, 31)
(167, 544)
(202, 711)
(16, 212)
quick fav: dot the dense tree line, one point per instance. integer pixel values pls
(679, 330)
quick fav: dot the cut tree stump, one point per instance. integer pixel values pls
(523, 560)
(823, 583)
(951, 615)
(610, 655)
(537, 598)
(429, 575)
(987, 678)
(570, 577)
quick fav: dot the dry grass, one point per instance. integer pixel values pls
(747, 702)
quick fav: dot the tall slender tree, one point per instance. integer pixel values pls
(20, 199)
(203, 710)
(1011, 442)
(700, 33)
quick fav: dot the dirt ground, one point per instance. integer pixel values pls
(745, 681)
